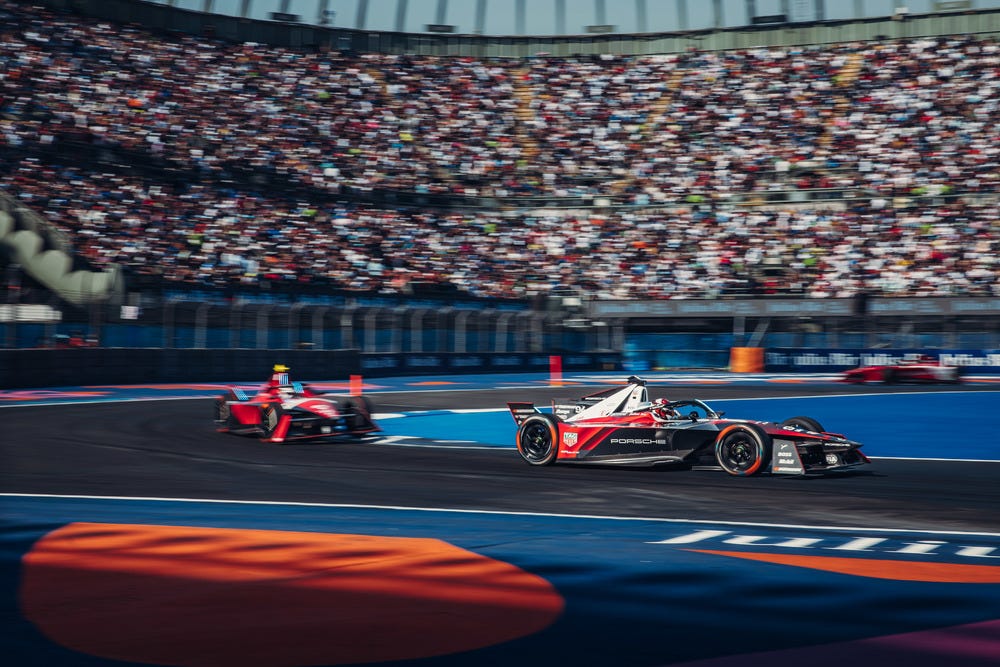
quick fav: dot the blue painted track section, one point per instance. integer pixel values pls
(885, 423)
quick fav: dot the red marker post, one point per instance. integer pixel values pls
(555, 370)
(357, 385)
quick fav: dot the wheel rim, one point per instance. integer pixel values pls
(536, 441)
(739, 453)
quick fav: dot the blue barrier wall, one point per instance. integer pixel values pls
(21, 369)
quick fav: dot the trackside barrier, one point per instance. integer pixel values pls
(24, 369)
(450, 363)
(746, 359)
(802, 360)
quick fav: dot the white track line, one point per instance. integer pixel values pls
(447, 510)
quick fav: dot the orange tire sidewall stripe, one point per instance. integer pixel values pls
(742, 427)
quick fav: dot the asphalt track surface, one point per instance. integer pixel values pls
(424, 552)
(169, 449)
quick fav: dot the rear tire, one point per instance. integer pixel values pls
(743, 450)
(538, 439)
(889, 376)
(808, 423)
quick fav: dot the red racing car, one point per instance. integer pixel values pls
(622, 426)
(285, 411)
(925, 368)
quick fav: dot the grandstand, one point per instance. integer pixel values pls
(410, 193)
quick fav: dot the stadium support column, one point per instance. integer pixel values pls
(717, 18)
(682, 14)
(480, 17)
(751, 10)
(560, 17)
(519, 20)
(401, 15)
(440, 17)
(600, 13)
(640, 16)
(362, 15)
(820, 10)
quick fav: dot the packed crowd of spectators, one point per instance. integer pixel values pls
(206, 236)
(899, 118)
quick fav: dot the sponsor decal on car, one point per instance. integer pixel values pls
(570, 438)
(637, 441)
(322, 408)
(786, 458)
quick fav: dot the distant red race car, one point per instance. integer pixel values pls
(924, 368)
(285, 411)
(622, 426)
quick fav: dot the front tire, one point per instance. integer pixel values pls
(357, 412)
(222, 412)
(743, 450)
(270, 415)
(538, 439)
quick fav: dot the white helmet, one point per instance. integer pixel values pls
(662, 411)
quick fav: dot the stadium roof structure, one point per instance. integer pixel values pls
(566, 17)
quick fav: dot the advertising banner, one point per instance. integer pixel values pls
(784, 360)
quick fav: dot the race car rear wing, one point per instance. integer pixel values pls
(521, 411)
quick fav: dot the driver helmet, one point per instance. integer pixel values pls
(286, 391)
(662, 411)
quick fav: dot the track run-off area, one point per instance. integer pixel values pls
(133, 533)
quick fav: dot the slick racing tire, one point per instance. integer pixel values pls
(538, 439)
(357, 412)
(807, 423)
(743, 450)
(222, 412)
(890, 376)
(270, 415)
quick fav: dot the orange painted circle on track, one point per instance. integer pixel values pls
(172, 595)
